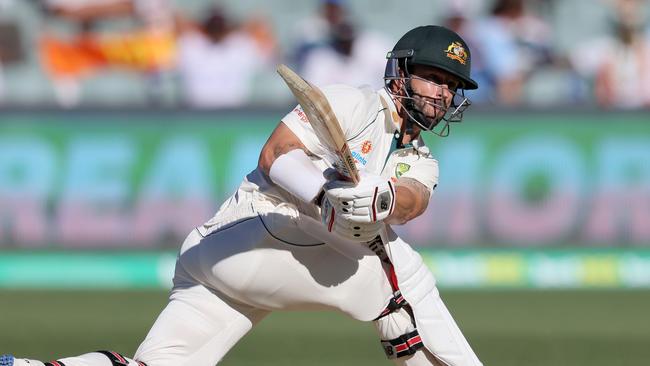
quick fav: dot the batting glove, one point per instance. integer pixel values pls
(355, 231)
(372, 200)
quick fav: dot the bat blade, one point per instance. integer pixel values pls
(322, 119)
(329, 132)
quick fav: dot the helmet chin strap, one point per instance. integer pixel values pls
(408, 123)
(400, 136)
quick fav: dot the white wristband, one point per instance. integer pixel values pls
(297, 174)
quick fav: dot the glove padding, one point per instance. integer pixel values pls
(372, 200)
(355, 231)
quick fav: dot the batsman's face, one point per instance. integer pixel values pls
(433, 90)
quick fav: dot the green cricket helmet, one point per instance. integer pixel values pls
(432, 46)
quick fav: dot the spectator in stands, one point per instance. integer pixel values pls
(11, 50)
(623, 75)
(349, 56)
(148, 49)
(154, 14)
(332, 49)
(218, 60)
(314, 31)
(508, 46)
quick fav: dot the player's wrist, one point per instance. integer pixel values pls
(295, 172)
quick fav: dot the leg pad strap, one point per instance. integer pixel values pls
(395, 303)
(404, 345)
(117, 359)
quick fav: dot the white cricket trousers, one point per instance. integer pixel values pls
(227, 280)
(252, 258)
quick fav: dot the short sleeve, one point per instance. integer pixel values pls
(353, 108)
(424, 170)
(416, 163)
(298, 123)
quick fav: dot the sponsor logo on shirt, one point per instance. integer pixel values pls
(366, 147)
(301, 114)
(359, 158)
(401, 168)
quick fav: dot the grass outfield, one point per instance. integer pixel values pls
(506, 328)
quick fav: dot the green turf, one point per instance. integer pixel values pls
(507, 328)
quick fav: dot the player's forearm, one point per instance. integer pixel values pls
(268, 156)
(411, 200)
(285, 160)
(281, 141)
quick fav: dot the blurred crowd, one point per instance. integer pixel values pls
(215, 60)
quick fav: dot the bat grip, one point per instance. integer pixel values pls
(380, 245)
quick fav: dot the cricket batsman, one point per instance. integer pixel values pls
(295, 236)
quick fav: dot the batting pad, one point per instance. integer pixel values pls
(438, 330)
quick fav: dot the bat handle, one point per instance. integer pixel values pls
(383, 235)
(380, 245)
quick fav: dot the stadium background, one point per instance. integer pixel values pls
(539, 232)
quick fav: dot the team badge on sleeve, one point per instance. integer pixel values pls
(401, 168)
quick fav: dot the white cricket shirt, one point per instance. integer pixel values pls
(368, 120)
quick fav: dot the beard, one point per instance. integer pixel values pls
(431, 109)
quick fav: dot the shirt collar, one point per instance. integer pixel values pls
(392, 117)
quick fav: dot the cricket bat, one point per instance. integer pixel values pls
(322, 119)
(329, 132)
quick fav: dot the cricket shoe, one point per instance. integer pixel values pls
(10, 360)
(6, 360)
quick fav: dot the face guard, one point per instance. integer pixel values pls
(449, 110)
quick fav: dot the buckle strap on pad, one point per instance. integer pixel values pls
(404, 345)
(395, 303)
